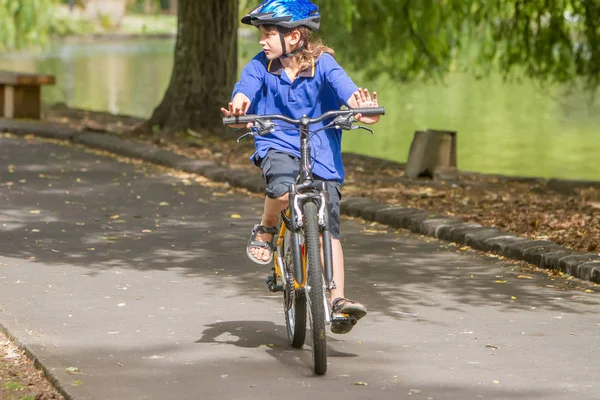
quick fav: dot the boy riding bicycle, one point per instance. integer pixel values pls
(296, 75)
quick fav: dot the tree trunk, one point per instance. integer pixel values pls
(204, 71)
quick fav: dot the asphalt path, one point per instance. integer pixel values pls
(130, 281)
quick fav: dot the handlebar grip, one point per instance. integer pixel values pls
(370, 110)
(240, 119)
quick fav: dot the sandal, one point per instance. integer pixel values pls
(253, 243)
(345, 314)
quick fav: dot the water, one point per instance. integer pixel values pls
(507, 128)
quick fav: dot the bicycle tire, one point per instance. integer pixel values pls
(294, 309)
(317, 289)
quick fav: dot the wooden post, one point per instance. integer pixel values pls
(9, 102)
(433, 155)
(27, 101)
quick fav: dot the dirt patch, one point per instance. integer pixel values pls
(564, 212)
(19, 378)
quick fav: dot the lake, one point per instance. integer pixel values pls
(515, 128)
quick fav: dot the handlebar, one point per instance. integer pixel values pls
(305, 121)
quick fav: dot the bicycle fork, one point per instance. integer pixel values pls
(297, 223)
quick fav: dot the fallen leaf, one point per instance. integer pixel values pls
(360, 384)
(500, 281)
(513, 298)
(236, 216)
(594, 204)
(496, 382)
(163, 204)
(525, 277)
(72, 370)
(589, 291)
(35, 211)
(374, 231)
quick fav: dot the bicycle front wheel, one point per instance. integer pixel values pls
(316, 290)
(294, 301)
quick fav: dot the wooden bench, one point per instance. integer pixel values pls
(20, 94)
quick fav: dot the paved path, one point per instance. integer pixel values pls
(138, 278)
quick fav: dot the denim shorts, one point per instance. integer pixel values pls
(279, 170)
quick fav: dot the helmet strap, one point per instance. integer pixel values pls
(284, 53)
(283, 47)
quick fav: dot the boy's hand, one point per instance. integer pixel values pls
(237, 108)
(362, 99)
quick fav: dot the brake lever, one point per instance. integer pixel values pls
(365, 128)
(249, 133)
(260, 128)
(347, 123)
(344, 122)
(264, 127)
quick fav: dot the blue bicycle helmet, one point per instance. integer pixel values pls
(285, 13)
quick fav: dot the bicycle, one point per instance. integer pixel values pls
(298, 271)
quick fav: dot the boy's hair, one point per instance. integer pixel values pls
(313, 47)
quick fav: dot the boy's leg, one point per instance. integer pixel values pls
(269, 218)
(338, 269)
(279, 171)
(339, 303)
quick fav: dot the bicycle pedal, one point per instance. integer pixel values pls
(276, 288)
(272, 284)
(344, 319)
(342, 325)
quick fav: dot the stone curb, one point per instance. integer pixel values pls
(541, 253)
(51, 374)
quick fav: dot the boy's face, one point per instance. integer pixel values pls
(271, 41)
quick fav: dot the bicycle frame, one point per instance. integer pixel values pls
(305, 230)
(305, 189)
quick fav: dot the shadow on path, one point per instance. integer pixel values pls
(65, 206)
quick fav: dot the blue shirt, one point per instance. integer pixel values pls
(324, 87)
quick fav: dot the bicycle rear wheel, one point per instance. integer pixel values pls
(316, 290)
(294, 301)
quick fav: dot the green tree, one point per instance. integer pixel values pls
(25, 22)
(556, 40)
(204, 69)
